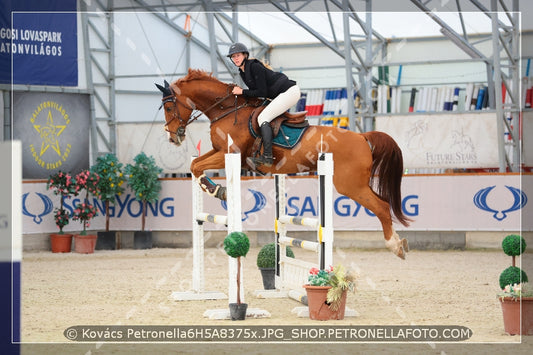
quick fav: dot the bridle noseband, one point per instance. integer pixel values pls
(176, 114)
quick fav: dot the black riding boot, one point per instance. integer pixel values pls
(266, 158)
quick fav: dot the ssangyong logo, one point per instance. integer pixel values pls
(259, 201)
(37, 216)
(519, 201)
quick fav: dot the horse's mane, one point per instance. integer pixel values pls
(197, 74)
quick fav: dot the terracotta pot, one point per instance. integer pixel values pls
(318, 306)
(61, 243)
(511, 315)
(85, 244)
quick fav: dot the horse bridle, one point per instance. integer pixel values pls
(176, 114)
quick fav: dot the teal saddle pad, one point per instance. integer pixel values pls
(287, 136)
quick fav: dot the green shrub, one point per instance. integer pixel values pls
(236, 244)
(512, 275)
(143, 180)
(266, 258)
(513, 245)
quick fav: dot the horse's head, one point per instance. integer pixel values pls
(178, 110)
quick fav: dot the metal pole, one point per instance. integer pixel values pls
(347, 66)
(498, 88)
(368, 124)
(6, 128)
(212, 38)
(515, 113)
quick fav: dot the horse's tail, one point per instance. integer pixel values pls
(387, 165)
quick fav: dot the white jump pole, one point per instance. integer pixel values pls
(233, 222)
(233, 193)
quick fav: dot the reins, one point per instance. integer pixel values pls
(173, 98)
(235, 109)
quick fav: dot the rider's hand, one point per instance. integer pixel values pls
(236, 90)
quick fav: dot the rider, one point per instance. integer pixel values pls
(263, 82)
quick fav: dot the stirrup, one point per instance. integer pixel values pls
(254, 162)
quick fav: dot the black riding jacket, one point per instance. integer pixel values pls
(263, 82)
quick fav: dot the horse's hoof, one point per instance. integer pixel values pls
(405, 245)
(221, 193)
(401, 253)
(398, 247)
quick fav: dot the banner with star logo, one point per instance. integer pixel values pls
(54, 131)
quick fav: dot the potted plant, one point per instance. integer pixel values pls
(62, 184)
(516, 293)
(84, 211)
(109, 169)
(266, 262)
(237, 244)
(143, 180)
(326, 292)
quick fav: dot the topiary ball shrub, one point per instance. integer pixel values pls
(513, 245)
(236, 244)
(266, 258)
(512, 275)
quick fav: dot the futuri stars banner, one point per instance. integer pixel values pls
(54, 131)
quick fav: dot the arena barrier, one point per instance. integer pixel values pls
(291, 273)
(233, 222)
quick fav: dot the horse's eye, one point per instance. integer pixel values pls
(168, 109)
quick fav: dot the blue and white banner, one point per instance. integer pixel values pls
(39, 42)
(435, 203)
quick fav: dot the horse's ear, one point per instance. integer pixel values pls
(166, 84)
(162, 89)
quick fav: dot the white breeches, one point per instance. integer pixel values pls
(280, 104)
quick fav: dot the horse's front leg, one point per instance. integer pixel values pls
(210, 160)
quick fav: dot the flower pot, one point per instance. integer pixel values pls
(142, 240)
(238, 311)
(318, 306)
(61, 243)
(106, 241)
(269, 277)
(511, 315)
(85, 244)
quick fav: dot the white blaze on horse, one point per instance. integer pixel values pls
(358, 157)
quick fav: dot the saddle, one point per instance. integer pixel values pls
(295, 120)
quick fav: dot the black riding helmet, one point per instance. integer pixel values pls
(237, 48)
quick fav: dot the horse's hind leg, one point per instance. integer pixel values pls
(210, 160)
(367, 198)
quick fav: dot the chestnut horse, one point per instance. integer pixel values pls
(358, 157)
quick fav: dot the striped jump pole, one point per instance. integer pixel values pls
(323, 245)
(291, 273)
